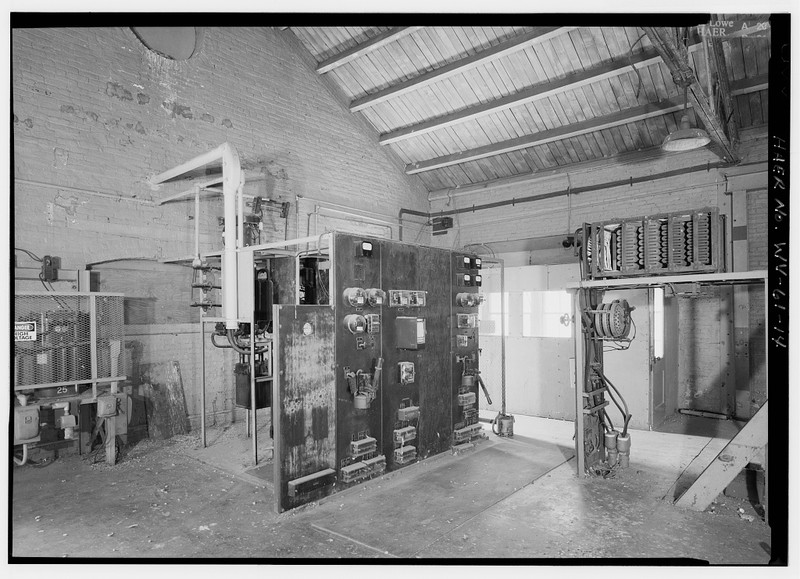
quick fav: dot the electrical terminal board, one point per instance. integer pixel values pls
(468, 433)
(467, 399)
(376, 465)
(408, 413)
(403, 435)
(353, 472)
(363, 446)
(405, 454)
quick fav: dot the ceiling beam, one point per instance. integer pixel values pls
(541, 91)
(538, 34)
(623, 117)
(536, 177)
(674, 56)
(360, 50)
(728, 113)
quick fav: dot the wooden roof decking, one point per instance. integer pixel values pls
(465, 105)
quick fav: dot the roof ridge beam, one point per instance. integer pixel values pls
(537, 92)
(360, 50)
(538, 34)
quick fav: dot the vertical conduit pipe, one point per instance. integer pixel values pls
(231, 179)
(501, 262)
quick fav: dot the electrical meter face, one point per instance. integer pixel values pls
(375, 296)
(355, 323)
(355, 296)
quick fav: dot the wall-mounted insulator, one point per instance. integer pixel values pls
(375, 296)
(355, 296)
(355, 323)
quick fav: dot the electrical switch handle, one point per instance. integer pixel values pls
(376, 377)
(483, 387)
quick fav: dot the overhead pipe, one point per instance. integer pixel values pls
(408, 212)
(569, 191)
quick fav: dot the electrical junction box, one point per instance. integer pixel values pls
(406, 332)
(26, 424)
(106, 406)
(50, 267)
(441, 225)
(407, 374)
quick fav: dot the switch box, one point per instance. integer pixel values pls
(407, 374)
(26, 424)
(406, 332)
(50, 267)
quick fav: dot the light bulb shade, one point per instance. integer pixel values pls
(685, 138)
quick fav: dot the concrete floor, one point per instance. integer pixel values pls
(515, 497)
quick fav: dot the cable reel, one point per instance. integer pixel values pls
(613, 320)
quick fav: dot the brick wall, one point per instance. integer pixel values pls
(95, 114)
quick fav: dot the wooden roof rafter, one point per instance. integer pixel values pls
(569, 82)
(600, 123)
(538, 34)
(360, 50)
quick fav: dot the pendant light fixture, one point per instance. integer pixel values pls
(685, 138)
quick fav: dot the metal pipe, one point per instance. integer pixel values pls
(500, 261)
(253, 388)
(197, 225)
(408, 212)
(202, 379)
(231, 180)
(24, 456)
(88, 191)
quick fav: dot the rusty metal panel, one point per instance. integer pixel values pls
(304, 409)
(357, 354)
(434, 381)
(464, 343)
(282, 272)
(400, 271)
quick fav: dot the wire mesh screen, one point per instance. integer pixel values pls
(53, 337)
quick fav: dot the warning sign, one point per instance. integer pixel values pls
(24, 331)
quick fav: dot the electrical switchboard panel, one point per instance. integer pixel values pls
(660, 244)
(399, 336)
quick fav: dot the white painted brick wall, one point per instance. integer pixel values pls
(95, 110)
